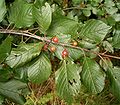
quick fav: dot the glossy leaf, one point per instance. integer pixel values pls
(93, 55)
(63, 38)
(20, 14)
(63, 25)
(5, 74)
(72, 53)
(5, 48)
(111, 10)
(40, 69)
(114, 77)
(58, 52)
(23, 54)
(75, 54)
(21, 73)
(67, 80)
(94, 30)
(116, 39)
(38, 3)
(43, 17)
(10, 90)
(108, 46)
(106, 63)
(2, 9)
(92, 76)
(87, 44)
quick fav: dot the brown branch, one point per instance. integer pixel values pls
(44, 39)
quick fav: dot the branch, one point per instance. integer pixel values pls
(44, 39)
(21, 33)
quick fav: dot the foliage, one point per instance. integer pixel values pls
(42, 101)
(27, 29)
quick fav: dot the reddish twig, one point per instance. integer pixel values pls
(45, 39)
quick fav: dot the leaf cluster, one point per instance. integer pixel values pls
(93, 24)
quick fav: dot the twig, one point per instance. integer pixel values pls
(20, 33)
(44, 39)
(110, 56)
(71, 8)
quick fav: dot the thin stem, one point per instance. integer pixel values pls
(44, 39)
(71, 8)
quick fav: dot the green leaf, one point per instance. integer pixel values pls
(24, 53)
(38, 3)
(95, 30)
(75, 53)
(45, 99)
(108, 46)
(5, 48)
(67, 80)
(92, 76)
(91, 54)
(94, 10)
(21, 73)
(43, 17)
(104, 62)
(76, 1)
(116, 17)
(111, 10)
(118, 5)
(40, 69)
(110, 20)
(87, 44)
(101, 12)
(116, 39)
(63, 25)
(11, 90)
(5, 74)
(20, 14)
(58, 52)
(1, 100)
(109, 3)
(86, 12)
(63, 38)
(2, 9)
(71, 16)
(114, 77)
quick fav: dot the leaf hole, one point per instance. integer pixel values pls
(74, 81)
(70, 82)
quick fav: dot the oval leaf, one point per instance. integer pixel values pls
(95, 30)
(75, 53)
(2, 9)
(39, 70)
(114, 77)
(5, 48)
(63, 25)
(24, 53)
(10, 90)
(43, 17)
(116, 39)
(67, 80)
(92, 76)
(20, 14)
